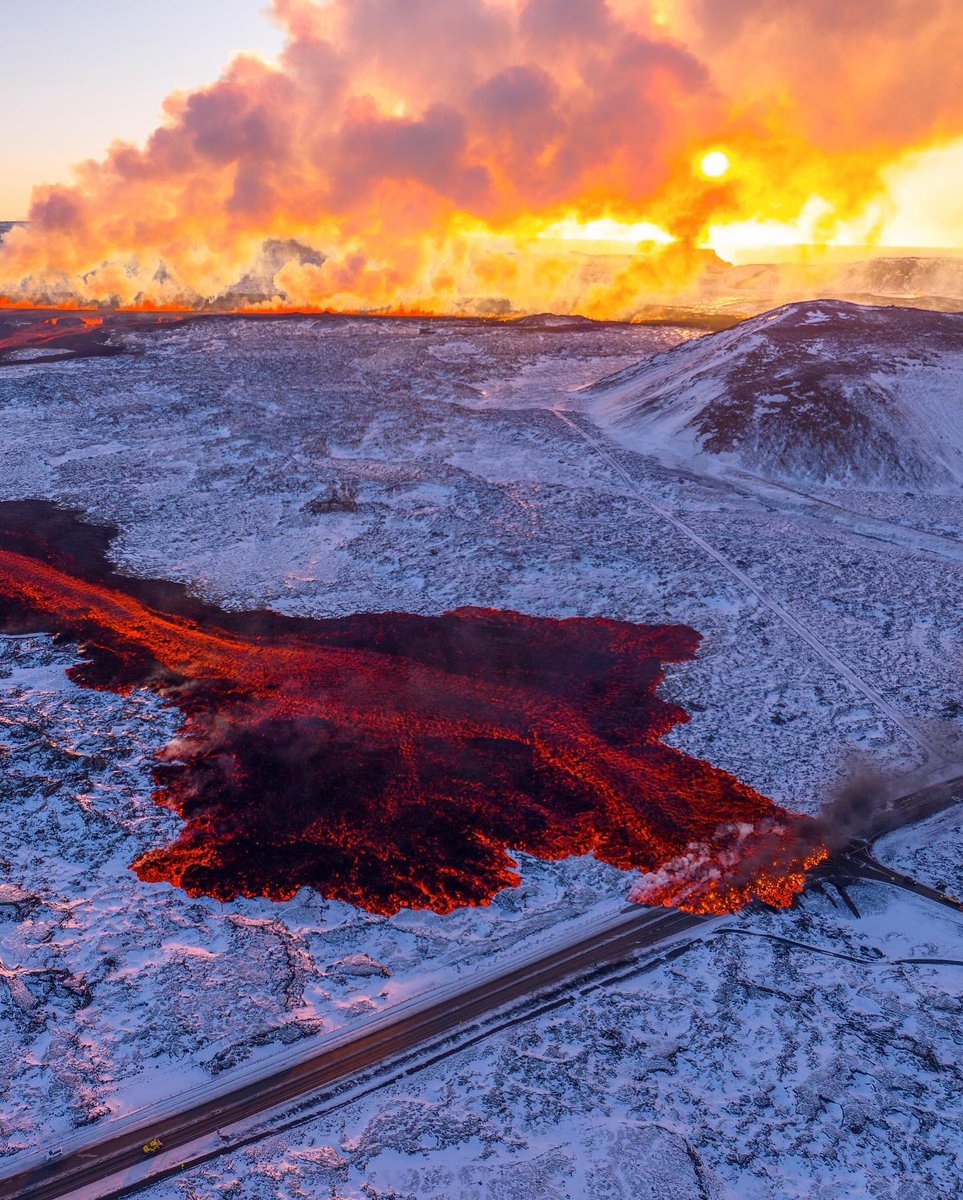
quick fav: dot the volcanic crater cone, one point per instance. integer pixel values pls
(823, 391)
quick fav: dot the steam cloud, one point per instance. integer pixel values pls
(408, 152)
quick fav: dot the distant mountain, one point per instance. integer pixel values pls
(922, 282)
(823, 390)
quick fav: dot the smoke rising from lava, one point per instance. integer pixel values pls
(853, 805)
(412, 154)
(741, 862)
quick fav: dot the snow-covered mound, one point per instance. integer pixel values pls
(824, 391)
(555, 321)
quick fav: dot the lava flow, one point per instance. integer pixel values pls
(393, 760)
(66, 334)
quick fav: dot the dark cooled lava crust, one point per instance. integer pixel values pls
(385, 759)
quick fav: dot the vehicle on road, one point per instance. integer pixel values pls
(153, 1146)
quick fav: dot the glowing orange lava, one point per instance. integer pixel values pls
(393, 760)
(47, 330)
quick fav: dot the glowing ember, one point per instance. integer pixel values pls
(390, 759)
(68, 334)
(51, 329)
(765, 861)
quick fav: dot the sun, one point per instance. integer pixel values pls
(715, 164)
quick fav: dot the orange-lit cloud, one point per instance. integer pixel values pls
(418, 154)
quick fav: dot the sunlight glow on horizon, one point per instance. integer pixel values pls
(607, 229)
(536, 153)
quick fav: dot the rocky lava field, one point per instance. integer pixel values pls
(285, 478)
(388, 759)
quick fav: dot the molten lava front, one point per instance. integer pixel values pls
(394, 760)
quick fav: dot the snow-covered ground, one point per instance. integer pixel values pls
(821, 391)
(808, 1055)
(216, 451)
(931, 852)
(113, 992)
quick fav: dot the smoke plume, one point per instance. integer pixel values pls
(418, 154)
(768, 859)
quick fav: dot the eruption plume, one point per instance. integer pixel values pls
(394, 760)
(420, 155)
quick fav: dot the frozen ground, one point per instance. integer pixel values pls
(809, 1054)
(329, 467)
(931, 852)
(220, 449)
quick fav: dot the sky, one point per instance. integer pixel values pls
(84, 72)
(407, 154)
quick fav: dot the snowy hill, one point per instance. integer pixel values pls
(823, 391)
(923, 282)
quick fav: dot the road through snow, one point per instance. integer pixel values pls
(780, 611)
(112, 1164)
(110, 1161)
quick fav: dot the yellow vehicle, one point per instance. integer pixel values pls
(153, 1146)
